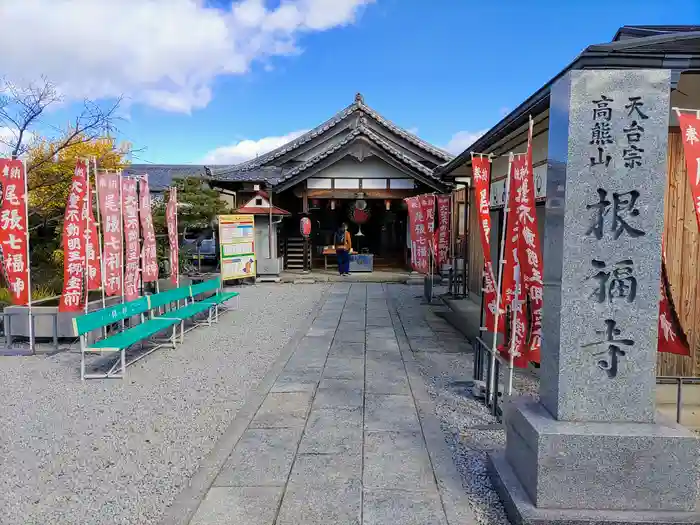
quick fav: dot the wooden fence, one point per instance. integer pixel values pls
(682, 254)
(682, 258)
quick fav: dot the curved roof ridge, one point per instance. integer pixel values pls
(410, 137)
(357, 105)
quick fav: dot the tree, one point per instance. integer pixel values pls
(198, 205)
(49, 183)
(21, 106)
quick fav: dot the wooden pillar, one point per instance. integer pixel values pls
(305, 211)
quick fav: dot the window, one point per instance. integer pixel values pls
(258, 201)
(460, 218)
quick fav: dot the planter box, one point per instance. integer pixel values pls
(44, 310)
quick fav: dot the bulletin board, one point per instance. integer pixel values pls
(237, 246)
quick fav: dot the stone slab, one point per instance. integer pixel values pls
(318, 331)
(349, 384)
(381, 333)
(390, 412)
(280, 410)
(323, 469)
(602, 253)
(386, 377)
(304, 379)
(339, 397)
(314, 344)
(343, 349)
(332, 431)
(397, 460)
(262, 457)
(521, 511)
(619, 466)
(381, 344)
(337, 504)
(349, 335)
(303, 360)
(402, 508)
(377, 321)
(344, 368)
(239, 505)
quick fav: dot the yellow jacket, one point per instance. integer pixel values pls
(347, 245)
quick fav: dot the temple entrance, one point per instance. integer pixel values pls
(376, 230)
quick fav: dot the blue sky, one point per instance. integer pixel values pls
(447, 71)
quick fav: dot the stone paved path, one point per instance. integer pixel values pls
(344, 435)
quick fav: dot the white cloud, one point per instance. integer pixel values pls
(248, 149)
(503, 111)
(462, 140)
(164, 53)
(8, 139)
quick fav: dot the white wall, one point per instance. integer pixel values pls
(370, 168)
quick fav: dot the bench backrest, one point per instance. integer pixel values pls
(169, 296)
(106, 316)
(207, 286)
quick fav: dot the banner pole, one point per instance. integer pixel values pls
(30, 330)
(501, 262)
(121, 218)
(177, 238)
(99, 236)
(86, 235)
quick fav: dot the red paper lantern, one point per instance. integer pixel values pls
(305, 226)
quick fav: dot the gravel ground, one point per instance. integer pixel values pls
(118, 452)
(470, 430)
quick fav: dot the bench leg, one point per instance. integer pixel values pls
(123, 362)
(182, 331)
(216, 313)
(209, 317)
(174, 337)
(82, 365)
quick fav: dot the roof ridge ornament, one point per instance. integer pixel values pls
(359, 99)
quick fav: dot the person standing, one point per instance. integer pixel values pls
(343, 245)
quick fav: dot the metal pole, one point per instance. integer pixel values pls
(29, 260)
(122, 229)
(269, 224)
(86, 235)
(99, 236)
(501, 262)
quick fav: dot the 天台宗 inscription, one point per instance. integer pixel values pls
(613, 221)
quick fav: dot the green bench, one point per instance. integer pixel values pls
(120, 341)
(157, 314)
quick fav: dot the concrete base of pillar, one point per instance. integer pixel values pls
(559, 472)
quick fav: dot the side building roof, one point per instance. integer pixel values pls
(634, 47)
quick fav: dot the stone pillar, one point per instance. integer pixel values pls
(592, 449)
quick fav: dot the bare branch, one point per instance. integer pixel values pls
(21, 106)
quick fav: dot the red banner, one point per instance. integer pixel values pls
(72, 298)
(690, 130)
(93, 252)
(532, 253)
(110, 211)
(512, 272)
(672, 340)
(150, 261)
(171, 218)
(419, 243)
(130, 206)
(13, 230)
(481, 167)
(443, 233)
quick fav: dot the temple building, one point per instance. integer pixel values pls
(357, 167)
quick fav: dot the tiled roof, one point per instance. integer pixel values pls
(269, 175)
(358, 106)
(160, 176)
(361, 130)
